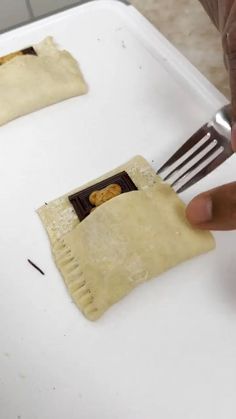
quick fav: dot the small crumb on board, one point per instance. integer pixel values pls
(35, 267)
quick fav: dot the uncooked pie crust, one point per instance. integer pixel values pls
(31, 82)
(126, 241)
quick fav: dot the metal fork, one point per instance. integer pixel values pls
(203, 152)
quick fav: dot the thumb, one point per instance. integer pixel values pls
(215, 209)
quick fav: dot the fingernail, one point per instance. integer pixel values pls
(233, 136)
(199, 210)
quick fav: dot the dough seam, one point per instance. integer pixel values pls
(75, 280)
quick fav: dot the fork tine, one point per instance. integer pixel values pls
(213, 139)
(198, 163)
(205, 171)
(194, 139)
(191, 157)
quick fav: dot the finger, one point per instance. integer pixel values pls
(214, 209)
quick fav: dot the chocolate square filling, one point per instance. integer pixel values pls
(81, 202)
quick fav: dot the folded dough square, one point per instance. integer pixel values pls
(126, 241)
(30, 82)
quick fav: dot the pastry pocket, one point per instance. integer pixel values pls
(59, 217)
(126, 241)
(30, 81)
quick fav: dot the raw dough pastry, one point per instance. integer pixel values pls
(126, 241)
(29, 82)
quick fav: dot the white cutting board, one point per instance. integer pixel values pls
(168, 350)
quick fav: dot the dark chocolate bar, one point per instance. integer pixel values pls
(81, 200)
(25, 51)
(29, 51)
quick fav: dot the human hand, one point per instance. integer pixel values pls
(216, 209)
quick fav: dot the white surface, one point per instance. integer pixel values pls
(168, 349)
